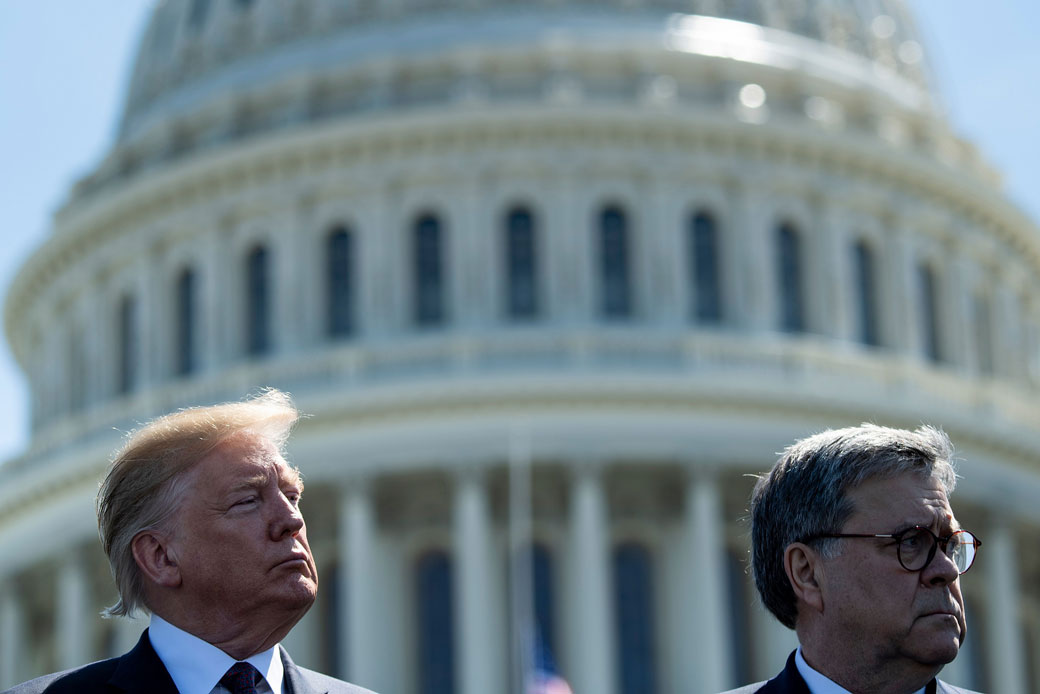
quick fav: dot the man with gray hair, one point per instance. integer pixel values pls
(200, 517)
(856, 548)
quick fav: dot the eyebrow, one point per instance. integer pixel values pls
(291, 475)
(251, 482)
(941, 522)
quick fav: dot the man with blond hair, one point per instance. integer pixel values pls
(200, 517)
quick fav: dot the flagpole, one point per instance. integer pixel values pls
(520, 560)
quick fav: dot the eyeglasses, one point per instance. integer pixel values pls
(916, 546)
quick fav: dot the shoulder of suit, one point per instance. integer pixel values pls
(331, 684)
(80, 680)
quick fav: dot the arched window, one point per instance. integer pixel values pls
(258, 309)
(928, 312)
(615, 275)
(983, 334)
(704, 268)
(126, 344)
(789, 279)
(520, 265)
(428, 267)
(340, 283)
(866, 294)
(185, 359)
(436, 625)
(634, 617)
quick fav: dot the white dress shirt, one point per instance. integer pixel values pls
(819, 683)
(197, 666)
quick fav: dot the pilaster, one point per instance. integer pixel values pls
(707, 635)
(473, 599)
(898, 291)
(1003, 626)
(73, 639)
(590, 628)
(358, 613)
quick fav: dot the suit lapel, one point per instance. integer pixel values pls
(789, 681)
(142, 672)
(295, 681)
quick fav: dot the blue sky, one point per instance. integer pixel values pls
(64, 65)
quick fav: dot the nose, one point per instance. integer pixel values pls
(286, 520)
(940, 571)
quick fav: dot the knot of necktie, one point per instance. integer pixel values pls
(241, 678)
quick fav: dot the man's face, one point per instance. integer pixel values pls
(871, 601)
(240, 541)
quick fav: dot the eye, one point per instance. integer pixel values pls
(246, 502)
(913, 541)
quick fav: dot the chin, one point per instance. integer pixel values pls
(300, 595)
(940, 651)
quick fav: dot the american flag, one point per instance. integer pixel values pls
(543, 677)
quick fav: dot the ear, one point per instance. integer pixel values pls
(804, 568)
(156, 559)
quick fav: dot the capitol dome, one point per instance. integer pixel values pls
(630, 247)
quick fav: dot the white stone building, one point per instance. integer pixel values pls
(653, 241)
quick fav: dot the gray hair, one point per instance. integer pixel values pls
(805, 494)
(145, 481)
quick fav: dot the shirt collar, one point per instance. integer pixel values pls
(819, 683)
(196, 666)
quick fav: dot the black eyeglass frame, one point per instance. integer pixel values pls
(898, 537)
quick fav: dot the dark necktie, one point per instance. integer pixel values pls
(241, 678)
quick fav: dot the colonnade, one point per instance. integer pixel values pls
(696, 636)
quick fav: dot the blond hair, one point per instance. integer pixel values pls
(144, 484)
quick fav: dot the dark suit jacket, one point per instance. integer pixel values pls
(790, 681)
(141, 672)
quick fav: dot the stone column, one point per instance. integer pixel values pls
(72, 632)
(11, 634)
(748, 275)
(958, 336)
(829, 254)
(358, 615)
(666, 255)
(590, 627)
(219, 316)
(571, 279)
(469, 260)
(376, 248)
(706, 623)
(150, 349)
(96, 353)
(1003, 626)
(1006, 330)
(290, 250)
(473, 597)
(898, 292)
